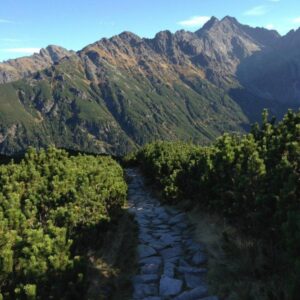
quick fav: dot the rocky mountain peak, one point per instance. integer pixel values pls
(225, 25)
(15, 69)
(165, 34)
(208, 25)
(129, 37)
(291, 39)
(55, 53)
(163, 42)
(230, 27)
(230, 19)
(230, 22)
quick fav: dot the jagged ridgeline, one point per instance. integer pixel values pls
(53, 209)
(119, 93)
(254, 183)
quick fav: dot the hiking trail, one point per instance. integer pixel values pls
(171, 263)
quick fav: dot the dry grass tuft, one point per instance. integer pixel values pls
(235, 263)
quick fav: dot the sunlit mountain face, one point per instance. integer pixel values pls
(125, 91)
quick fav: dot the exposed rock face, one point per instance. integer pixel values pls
(122, 92)
(15, 69)
(275, 73)
(218, 48)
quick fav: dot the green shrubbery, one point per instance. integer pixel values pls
(252, 180)
(50, 204)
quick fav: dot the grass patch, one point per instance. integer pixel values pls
(237, 266)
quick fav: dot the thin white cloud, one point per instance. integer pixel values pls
(6, 21)
(270, 26)
(21, 50)
(194, 21)
(296, 20)
(256, 11)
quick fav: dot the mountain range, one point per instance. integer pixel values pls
(122, 92)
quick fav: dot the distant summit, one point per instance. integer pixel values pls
(14, 69)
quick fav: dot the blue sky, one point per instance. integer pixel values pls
(26, 26)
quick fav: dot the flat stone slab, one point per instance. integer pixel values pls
(172, 260)
(150, 269)
(157, 245)
(151, 260)
(157, 222)
(160, 232)
(146, 278)
(171, 252)
(142, 290)
(169, 286)
(185, 269)
(169, 239)
(169, 269)
(147, 239)
(162, 226)
(145, 251)
(183, 263)
(142, 219)
(194, 294)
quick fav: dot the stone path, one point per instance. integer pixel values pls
(171, 264)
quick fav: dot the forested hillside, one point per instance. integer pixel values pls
(253, 181)
(53, 207)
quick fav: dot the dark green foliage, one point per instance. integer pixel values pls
(50, 204)
(115, 114)
(253, 181)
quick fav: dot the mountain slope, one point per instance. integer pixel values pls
(122, 92)
(15, 69)
(275, 73)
